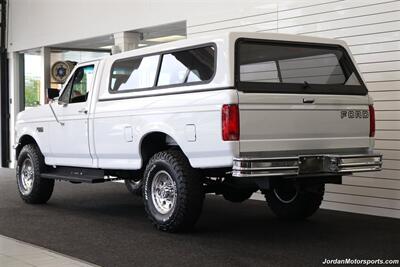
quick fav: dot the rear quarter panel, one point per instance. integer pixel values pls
(169, 114)
(175, 111)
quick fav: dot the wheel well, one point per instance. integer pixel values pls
(155, 142)
(23, 141)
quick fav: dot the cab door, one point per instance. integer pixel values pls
(70, 136)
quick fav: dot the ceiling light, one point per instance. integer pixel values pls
(165, 39)
(106, 47)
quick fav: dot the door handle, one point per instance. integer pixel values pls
(84, 111)
(308, 100)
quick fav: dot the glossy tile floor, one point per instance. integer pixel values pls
(14, 253)
(106, 225)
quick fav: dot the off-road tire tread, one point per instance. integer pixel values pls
(42, 188)
(191, 197)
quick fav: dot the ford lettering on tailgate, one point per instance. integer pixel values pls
(354, 114)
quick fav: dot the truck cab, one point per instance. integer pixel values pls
(229, 114)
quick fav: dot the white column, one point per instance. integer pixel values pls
(16, 83)
(45, 74)
(125, 41)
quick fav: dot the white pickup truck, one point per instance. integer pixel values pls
(229, 114)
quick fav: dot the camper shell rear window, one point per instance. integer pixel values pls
(293, 67)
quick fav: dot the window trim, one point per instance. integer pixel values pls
(72, 80)
(297, 88)
(161, 54)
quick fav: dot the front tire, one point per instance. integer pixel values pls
(293, 201)
(173, 192)
(32, 188)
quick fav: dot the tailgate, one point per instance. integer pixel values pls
(290, 122)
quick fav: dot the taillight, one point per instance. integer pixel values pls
(371, 121)
(230, 122)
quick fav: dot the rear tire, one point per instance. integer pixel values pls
(173, 192)
(292, 201)
(32, 188)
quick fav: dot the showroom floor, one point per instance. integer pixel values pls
(105, 225)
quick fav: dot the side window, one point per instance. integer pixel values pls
(194, 65)
(135, 73)
(77, 90)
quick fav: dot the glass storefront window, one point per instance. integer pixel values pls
(32, 80)
(33, 92)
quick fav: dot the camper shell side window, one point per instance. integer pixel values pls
(181, 67)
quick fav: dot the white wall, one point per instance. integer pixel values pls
(36, 23)
(371, 28)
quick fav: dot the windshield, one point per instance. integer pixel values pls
(295, 67)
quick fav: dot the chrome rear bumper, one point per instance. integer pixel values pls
(306, 165)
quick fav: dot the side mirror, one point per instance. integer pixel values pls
(61, 102)
(53, 93)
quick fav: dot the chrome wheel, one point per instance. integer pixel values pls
(26, 176)
(286, 194)
(163, 192)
